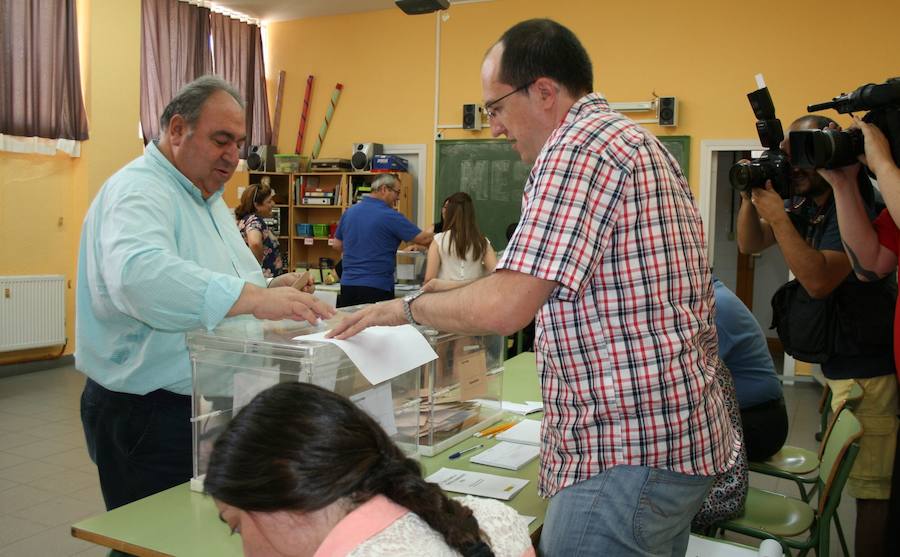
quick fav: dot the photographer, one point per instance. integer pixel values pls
(873, 250)
(805, 227)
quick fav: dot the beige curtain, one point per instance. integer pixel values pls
(238, 59)
(40, 78)
(174, 51)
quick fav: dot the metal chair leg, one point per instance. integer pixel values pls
(840, 533)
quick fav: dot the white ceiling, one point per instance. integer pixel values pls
(278, 10)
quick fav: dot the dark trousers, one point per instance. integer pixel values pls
(140, 444)
(355, 295)
(765, 429)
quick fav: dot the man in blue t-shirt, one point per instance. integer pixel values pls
(369, 234)
(743, 348)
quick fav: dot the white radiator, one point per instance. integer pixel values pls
(32, 312)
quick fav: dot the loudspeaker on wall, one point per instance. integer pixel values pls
(361, 158)
(667, 111)
(417, 7)
(471, 117)
(261, 158)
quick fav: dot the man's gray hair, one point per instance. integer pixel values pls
(189, 101)
(385, 180)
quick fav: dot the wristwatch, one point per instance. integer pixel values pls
(407, 301)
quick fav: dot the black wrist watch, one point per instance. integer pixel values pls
(407, 301)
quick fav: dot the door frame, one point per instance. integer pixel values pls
(709, 173)
(421, 152)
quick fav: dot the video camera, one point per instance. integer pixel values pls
(833, 148)
(773, 164)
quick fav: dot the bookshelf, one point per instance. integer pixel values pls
(311, 204)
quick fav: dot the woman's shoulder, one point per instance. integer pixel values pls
(506, 532)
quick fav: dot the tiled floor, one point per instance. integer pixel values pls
(47, 481)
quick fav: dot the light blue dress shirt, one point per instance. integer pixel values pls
(155, 260)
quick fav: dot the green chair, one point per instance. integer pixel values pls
(785, 519)
(824, 412)
(798, 464)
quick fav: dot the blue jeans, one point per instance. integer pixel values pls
(140, 444)
(626, 510)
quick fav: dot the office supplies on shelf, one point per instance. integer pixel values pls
(458, 454)
(526, 431)
(510, 456)
(476, 483)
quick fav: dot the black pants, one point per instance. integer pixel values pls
(765, 429)
(354, 295)
(140, 444)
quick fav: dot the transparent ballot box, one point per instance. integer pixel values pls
(243, 356)
(410, 267)
(461, 390)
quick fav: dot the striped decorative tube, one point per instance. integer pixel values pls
(303, 114)
(329, 114)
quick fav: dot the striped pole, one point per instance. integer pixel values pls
(329, 114)
(302, 130)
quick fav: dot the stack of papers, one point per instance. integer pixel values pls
(476, 483)
(511, 456)
(528, 407)
(527, 432)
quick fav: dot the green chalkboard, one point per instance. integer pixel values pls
(491, 172)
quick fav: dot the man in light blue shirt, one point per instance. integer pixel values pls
(160, 255)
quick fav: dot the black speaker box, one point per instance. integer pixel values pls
(261, 158)
(361, 158)
(668, 111)
(471, 117)
(416, 7)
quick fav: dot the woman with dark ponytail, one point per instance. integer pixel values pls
(302, 471)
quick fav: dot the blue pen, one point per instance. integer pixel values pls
(458, 454)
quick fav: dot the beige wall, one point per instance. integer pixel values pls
(704, 53)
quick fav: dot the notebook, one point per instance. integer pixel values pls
(511, 456)
(526, 431)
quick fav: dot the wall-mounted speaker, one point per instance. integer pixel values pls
(471, 117)
(361, 158)
(261, 158)
(667, 111)
(416, 7)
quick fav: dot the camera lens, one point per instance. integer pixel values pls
(741, 176)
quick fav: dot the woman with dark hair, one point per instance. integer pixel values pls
(302, 471)
(461, 253)
(256, 204)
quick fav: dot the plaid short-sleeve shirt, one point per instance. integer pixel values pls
(626, 343)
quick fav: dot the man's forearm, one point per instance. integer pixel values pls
(750, 236)
(857, 234)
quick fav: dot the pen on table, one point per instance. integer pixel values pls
(458, 454)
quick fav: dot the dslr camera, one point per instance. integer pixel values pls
(833, 148)
(774, 163)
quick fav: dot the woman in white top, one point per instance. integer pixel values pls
(461, 253)
(304, 472)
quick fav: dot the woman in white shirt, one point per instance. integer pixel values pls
(460, 253)
(303, 472)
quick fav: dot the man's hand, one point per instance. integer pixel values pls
(290, 279)
(843, 177)
(284, 302)
(768, 203)
(878, 151)
(383, 313)
(280, 302)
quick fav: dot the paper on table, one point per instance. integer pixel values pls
(382, 353)
(377, 403)
(511, 456)
(526, 431)
(528, 407)
(476, 483)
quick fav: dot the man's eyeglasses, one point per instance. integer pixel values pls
(488, 106)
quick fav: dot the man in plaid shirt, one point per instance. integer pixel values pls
(609, 253)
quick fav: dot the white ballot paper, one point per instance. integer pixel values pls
(511, 456)
(377, 403)
(382, 353)
(476, 483)
(526, 431)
